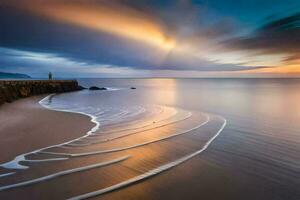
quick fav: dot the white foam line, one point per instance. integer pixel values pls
(63, 173)
(138, 110)
(124, 148)
(116, 116)
(47, 160)
(136, 121)
(149, 173)
(139, 127)
(7, 174)
(99, 134)
(127, 113)
(14, 164)
(132, 133)
(69, 146)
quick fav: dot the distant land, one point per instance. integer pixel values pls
(5, 75)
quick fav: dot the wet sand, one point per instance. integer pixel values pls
(140, 156)
(160, 160)
(25, 126)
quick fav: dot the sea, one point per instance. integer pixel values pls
(210, 138)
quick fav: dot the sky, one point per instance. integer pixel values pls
(150, 38)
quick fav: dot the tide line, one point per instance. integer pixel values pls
(63, 173)
(15, 163)
(128, 134)
(138, 127)
(7, 174)
(46, 160)
(124, 148)
(149, 173)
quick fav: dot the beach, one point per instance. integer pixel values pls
(150, 143)
(31, 120)
(25, 125)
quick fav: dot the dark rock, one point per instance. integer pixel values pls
(133, 88)
(97, 88)
(12, 90)
(24, 91)
(2, 101)
(81, 88)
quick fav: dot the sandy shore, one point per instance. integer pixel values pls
(241, 163)
(25, 126)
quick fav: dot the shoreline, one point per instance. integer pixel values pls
(25, 126)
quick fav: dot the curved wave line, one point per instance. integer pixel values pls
(128, 129)
(7, 174)
(150, 173)
(62, 173)
(14, 164)
(132, 133)
(121, 118)
(45, 160)
(124, 148)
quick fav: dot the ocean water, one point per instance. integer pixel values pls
(247, 128)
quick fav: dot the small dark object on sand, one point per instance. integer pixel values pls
(133, 88)
(97, 88)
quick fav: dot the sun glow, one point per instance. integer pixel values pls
(111, 18)
(174, 46)
(168, 44)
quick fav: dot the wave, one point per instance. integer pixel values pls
(131, 133)
(62, 173)
(115, 115)
(7, 174)
(15, 163)
(46, 102)
(132, 128)
(125, 148)
(150, 173)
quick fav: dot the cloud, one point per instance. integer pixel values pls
(104, 16)
(281, 36)
(71, 39)
(145, 35)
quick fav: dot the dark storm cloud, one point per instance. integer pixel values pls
(277, 36)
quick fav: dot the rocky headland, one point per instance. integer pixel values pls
(11, 90)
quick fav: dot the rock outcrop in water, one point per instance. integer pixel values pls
(97, 88)
(12, 90)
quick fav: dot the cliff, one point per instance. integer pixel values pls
(12, 90)
(4, 75)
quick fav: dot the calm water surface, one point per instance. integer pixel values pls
(261, 142)
(160, 124)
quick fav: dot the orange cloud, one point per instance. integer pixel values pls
(106, 17)
(125, 21)
(289, 69)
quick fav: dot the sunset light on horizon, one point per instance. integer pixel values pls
(181, 37)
